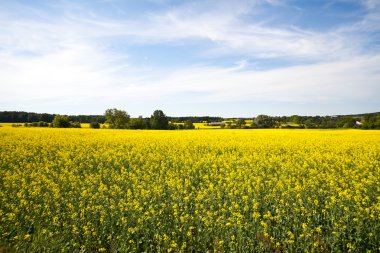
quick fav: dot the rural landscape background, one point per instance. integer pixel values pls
(189, 126)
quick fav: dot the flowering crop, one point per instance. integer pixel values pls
(84, 190)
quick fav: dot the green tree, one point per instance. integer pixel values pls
(309, 123)
(263, 121)
(75, 124)
(295, 119)
(371, 121)
(328, 122)
(158, 120)
(173, 126)
(61, 121)
(240, 123)
(188, 124)
(95, 125)
(117, 119)
(346, 122)
(137, 123)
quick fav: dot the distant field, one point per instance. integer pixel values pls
(291, 124)
(83, 125)
(204, 126)
(85, 190)
(10, 124)
(201, 126)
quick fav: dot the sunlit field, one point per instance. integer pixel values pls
(10, 124)
(205, 126)
(85, 190)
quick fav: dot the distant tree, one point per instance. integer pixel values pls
(158, 120)
(283, 119)
(309, 123)
(263, 121)
(117, 119)
(95, 125)
(346, 122)
(371, 121)
(61, 121)
(36, 124)
(195, 119)
(295, 119)
(328, 122)
(240, 123)
(173, 126)
(43, 124)
(75, 124)
(188, 124)
(277, 124)
(137, 123)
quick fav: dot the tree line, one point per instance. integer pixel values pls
(119, 119)
(29, 117)
(361, 121)
(195, 119)
(116, 119)
(32, 117)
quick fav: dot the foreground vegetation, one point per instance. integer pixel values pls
(84, 190)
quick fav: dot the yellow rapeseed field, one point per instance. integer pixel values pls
(85, 190)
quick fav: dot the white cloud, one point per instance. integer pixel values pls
(352, 80)
(230, 34)
(223, 25)
(62, 76)
(66, 61)
(74, 71)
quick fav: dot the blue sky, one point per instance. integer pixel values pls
(221, 58)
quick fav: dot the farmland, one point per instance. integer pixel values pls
(85, 190)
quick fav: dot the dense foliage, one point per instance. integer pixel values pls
(84, 190)
(117, 119)
(159, 120)
(195, 119)
(360, 121)
(29, 117)
(37, 124)
(94, 125)
(62, 121)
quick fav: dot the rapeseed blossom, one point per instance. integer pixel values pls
(84, 190)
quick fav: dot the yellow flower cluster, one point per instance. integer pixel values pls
(85, 190)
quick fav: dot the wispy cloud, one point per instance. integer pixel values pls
(69, 57)
(354, 79)
(224, 26)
